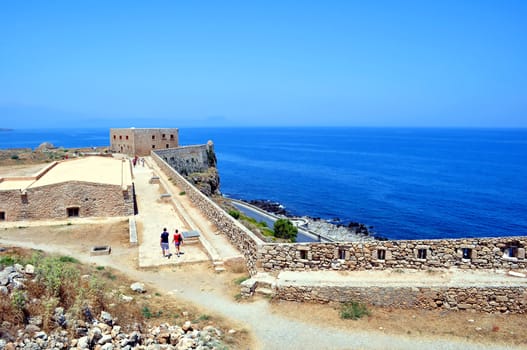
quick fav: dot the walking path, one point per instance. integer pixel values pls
(161, 205)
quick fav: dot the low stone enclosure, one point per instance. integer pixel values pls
(488, 254)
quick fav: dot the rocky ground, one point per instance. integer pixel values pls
(33, 319)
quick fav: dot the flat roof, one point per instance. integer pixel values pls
(95, 169)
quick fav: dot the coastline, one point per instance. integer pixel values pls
(323, 229)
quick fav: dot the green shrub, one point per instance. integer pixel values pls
(234, 213)
(283, 228)
(353, 310)
(267, 232)
(68, 259)
(14, 157)
(7, 261)
(182, 193)
(146, 312)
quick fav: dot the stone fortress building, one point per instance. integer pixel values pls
(90, 186)
(140, 141)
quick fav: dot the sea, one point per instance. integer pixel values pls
(403, 183)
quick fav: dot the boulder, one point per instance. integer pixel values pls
(138, 287)
(29, 269)
(106, 318)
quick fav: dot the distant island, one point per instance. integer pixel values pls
(5, 129)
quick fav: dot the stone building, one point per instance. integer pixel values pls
(91, 186)
(140, 142)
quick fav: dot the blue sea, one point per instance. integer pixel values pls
(408, 183)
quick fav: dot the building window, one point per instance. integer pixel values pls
(512, 250)
(303, 254)
(153, 137)
(114, 137)
(467, 253)
(164, 136)
(2, 215)
(153, 146)
(421, 253)
(73, 212)
(342, 254)
(381, 254)
(171, 136)
(127, 137)
(167, 145)
(120, 137)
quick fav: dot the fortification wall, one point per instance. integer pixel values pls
(186, 160)
(486, 299)
(473, 253)
(53, 201)
(240, 237)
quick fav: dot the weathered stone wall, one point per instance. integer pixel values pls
(141, 142)
(487, 299)
(473, 253)
(187, 159)
(240, 237)
(52, 201)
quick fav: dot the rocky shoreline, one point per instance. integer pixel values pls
(333, 228)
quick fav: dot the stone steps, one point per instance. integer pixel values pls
(218, 266)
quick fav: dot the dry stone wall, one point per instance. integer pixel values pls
(474, 253)
(240, 237)
(486, 299)
(53, 201)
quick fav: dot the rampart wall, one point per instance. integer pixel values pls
(240, 237)
(473, 253)
(482, 298)
(53, 201)
(186, 159)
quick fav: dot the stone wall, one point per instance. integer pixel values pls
(473, 253)
(486, 299)
(53, 201)
(240, 237)
(188, 159)
(141, 142)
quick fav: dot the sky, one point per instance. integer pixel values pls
(263, 63)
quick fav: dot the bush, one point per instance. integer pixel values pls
(14, 157)
(283, 228)
(234, 213)
(353, 310)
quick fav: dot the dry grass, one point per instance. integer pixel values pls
(100, 288)
(461, 325)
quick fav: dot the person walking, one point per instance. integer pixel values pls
(165, 247)
(178, 241)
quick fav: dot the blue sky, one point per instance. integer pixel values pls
(263, 63)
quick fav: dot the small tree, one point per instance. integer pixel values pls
(283, 228)
(234, 213)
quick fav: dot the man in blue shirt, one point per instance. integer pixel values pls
(164, 243)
